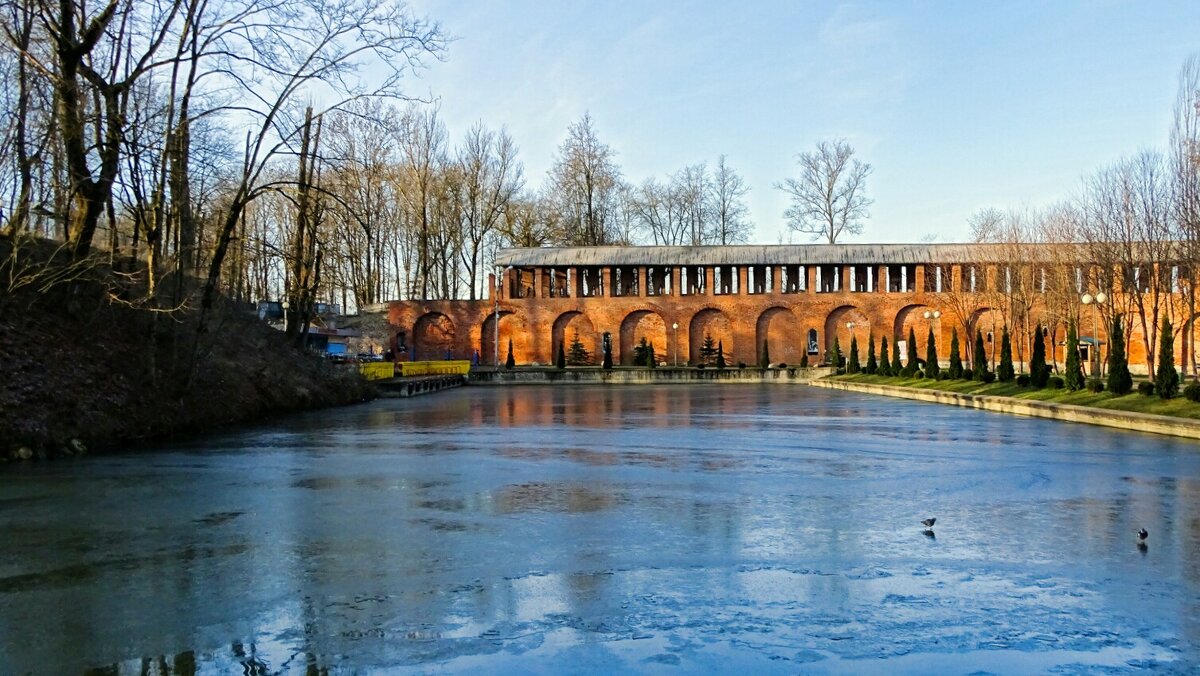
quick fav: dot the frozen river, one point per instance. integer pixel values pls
(760, 529)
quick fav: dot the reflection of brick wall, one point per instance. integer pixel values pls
(742, 321)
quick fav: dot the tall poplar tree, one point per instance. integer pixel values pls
(1005, 371)
(932, 368)
(1039, 372)
(978, 358)
(1166, 378)
(1120, 381)
(956, 366)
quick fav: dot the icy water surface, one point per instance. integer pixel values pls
(771, 529)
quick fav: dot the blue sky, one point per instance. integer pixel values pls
(958, 105)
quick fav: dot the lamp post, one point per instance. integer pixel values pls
(1098, 299)
(675, 328)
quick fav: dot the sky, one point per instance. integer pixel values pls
(958, 106)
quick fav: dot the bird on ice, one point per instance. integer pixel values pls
(1142, 535)
(928, 523)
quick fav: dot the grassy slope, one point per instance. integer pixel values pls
(1178, 407)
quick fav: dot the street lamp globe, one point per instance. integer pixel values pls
(1101, 298)
(937, 313)
(1087, 299)
(927, 314)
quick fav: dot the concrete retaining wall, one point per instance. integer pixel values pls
(627, 376)
(1139, 422)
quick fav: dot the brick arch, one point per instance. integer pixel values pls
(709, 321)
(911, 316)
(563, 332)
(780, 329)
(433, 336)
(835, 325)
(648, 324)
(512, 327)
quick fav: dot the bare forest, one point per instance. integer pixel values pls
(271, 151)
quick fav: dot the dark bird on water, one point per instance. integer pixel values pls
(1142, 535)
(928, 523)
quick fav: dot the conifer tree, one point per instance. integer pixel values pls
(606, 345)
(932, 368)
(509, 362)
(765, 359)
(720, 354)
(872, 364)
(651, 359)
(804, 360)
(885, 365)
(896, 365)
(1039, 372)
(1120, 381)
(639, 352)
(835, 355)
(560, 359)
(852, 365)
(956, 366)
(1166, 378)
(708, 350)
(1004, 371)
(979, 358)
(578, 355)
(1074, 371)
(910, 367)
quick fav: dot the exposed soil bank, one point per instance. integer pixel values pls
(80, 373)
(1126, 420)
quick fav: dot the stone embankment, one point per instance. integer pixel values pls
(643, 376)
(415, 387)
(1126, 420)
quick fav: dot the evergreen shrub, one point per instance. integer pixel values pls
(1146, 388)
(1095, 385)
(1192, 392)
(1056, 382)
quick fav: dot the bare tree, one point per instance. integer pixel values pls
(583, 188)
(829, 197)
(491, 178)
(729, 211)
(1127, 225)
(1185, 165)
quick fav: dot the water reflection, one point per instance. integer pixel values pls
(767, 529)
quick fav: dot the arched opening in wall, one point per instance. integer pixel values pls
(433, 337)
(709, 329)
(567, 328)
(644, 324)
(780, 331)
(989, 323)
(844, 323)
(913, 317)
(512, 327)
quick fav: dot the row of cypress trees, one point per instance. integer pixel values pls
(1119, 380)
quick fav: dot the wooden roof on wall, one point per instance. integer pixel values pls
(783, 254)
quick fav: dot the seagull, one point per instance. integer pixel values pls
(1142, 535)
(928, 523)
